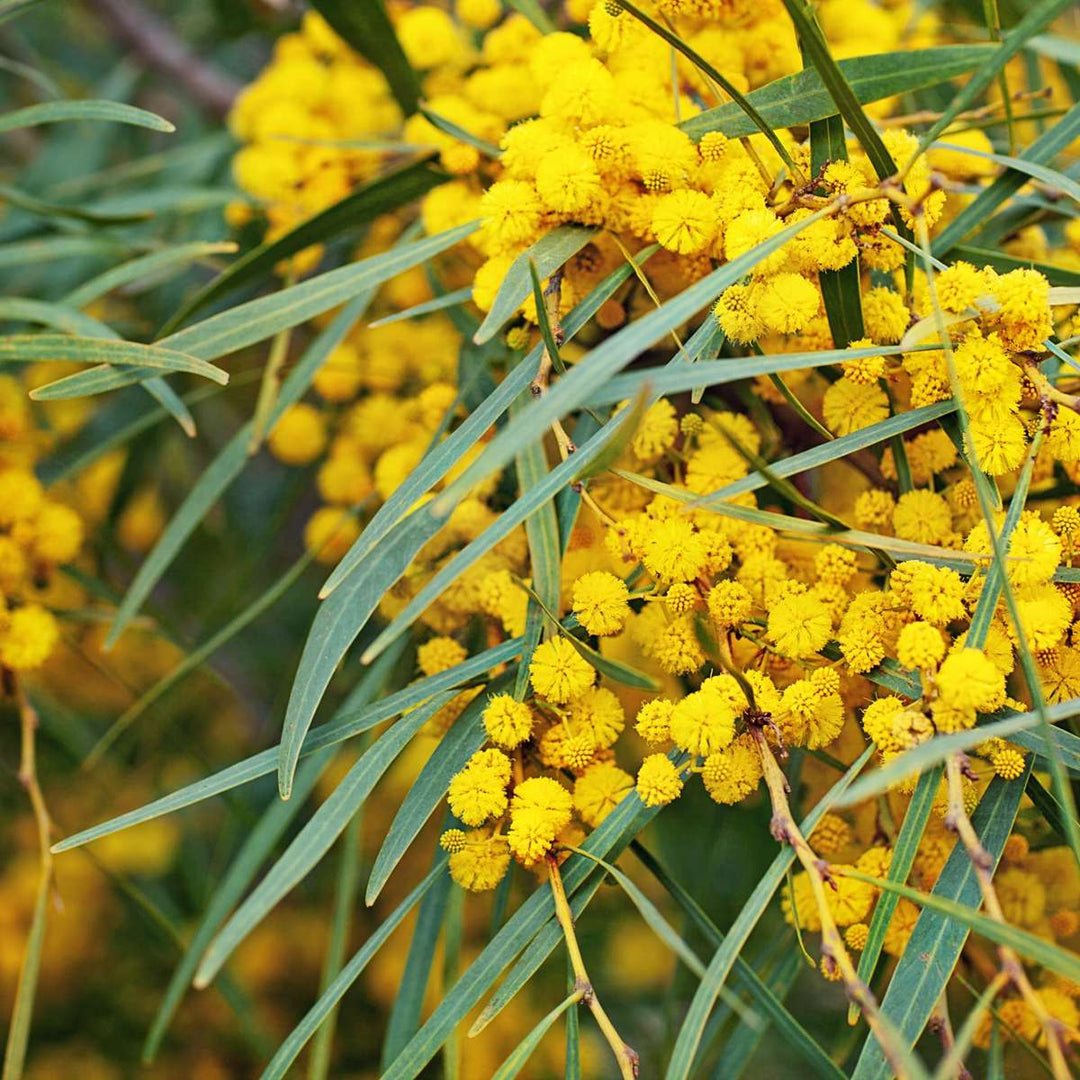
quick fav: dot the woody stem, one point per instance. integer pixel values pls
(625, 1056)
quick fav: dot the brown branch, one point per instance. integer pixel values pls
(154, 42)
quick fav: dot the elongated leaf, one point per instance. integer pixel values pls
(97, 350)
(56, 112)
(840, 289)
(438, 303)
(343, 726)
(316, 837)
(262, 839)
(440, 459)
(1036, 18)
(367, 28)
(799, 99)
(455, 748)
(344, 218)
(22, 1013)
(689, 1038)
(1021, 164)
(745, 977)
(52, 248)
(1003, 263)
(290, 1049)
(144, 267)
(935, 943)
(58, 316)
(226, 467)
(260, 319)
(405, 1013)
(903, 856)
(524, 1049)
(548, 253)
(1037, 949)
(654, 919)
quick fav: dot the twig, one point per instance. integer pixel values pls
(958, 821)
(941, 1025)
(833, 951)
(552, 299)
(155, 43)
(625, 1056)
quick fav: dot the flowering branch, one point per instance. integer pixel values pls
(835, 957)
(625, 1056)
(958, 821)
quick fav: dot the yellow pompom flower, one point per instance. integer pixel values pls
(922, 516)
(599, 790)
(1008, 763)
(736, 312)
(478, 792)
(329, 533)
(968, 680)
(658, 781)
(599, 601)
(920, 645)
(749, 230)
(885, 315)
(653, 722)
(732, 774)
(960, 286)
(28, 638)
(856, 936)
(439, 654)
(540, 810)
(799, 626)
(507, 722)
(558, 672)
(58, 533)
(21, 496)
(684, 221)
(299, 437)
(850, 406)
(512, 216)
(482, 863)
(702, 723)
(787, 302)
(674, 551)
(1034, 551)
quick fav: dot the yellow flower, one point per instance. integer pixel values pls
(600, 602)
(800, 626)
(599, 790)
(702, 723)
(299, 437)
(920, 645)
(653, 721)
(729, 603)
(658, 781)
(786, 302)
(674, 551)
(968, 680)
(481, 864)
(684, 221)
(507, 722)
(558, 672)
(731, 774)
(439, 654)
(850, 406)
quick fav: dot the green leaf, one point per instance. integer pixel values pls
(1035, 19)
(800, 99)
(49, 248)
(226, 467)
(195, 658)
(689, 1037)
(932, 951)
(22, 1012)
(903, 856)
(408, 1006)
(316, 837)
(745, 977)
(348, 884)
(625, 424)
(258, 845)
(524, 1049)
(344, 725)
(441, 458)
(55, 112)
(146, 267)
(464, 738)
(290, 1049)
(651, 914)
(438, 303)
(456, 131)
(19, 348)
(259, 319)
(840, 289)
(367, 28)
(1023, 165)
(343, 218)
(548, 253)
